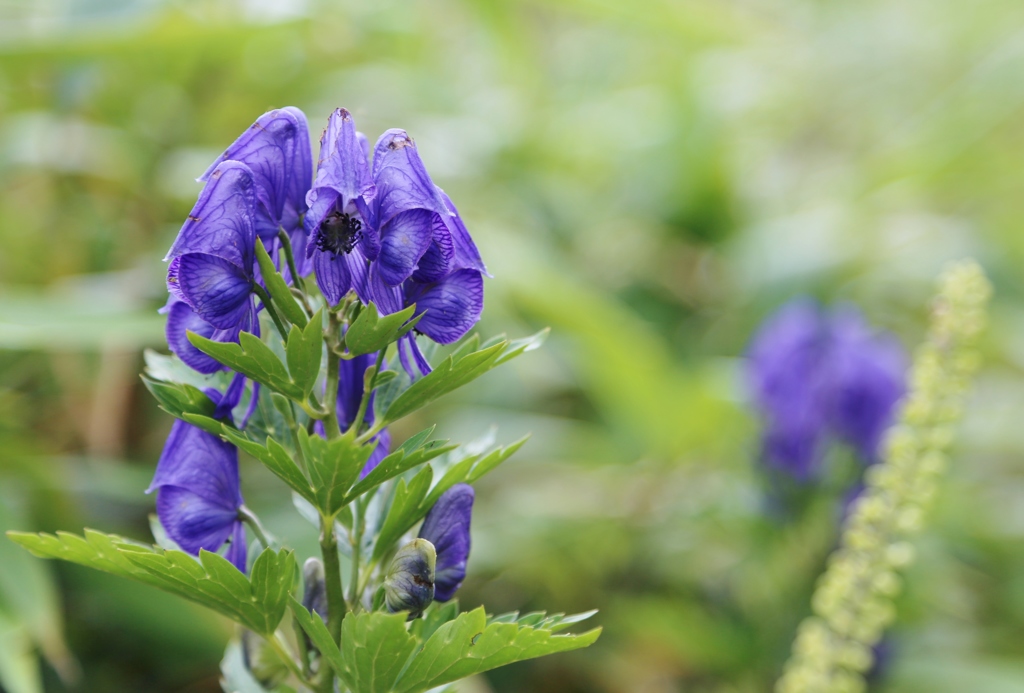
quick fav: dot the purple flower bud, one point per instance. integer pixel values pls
(446, 526)
(409, 584)
(198, 493)
(818, 376)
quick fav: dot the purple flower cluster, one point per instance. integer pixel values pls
(384, 231)
(818, 376)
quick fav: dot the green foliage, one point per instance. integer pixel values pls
(453, 373)
(333, 466)
(369, 332)
(178, 399)
(257, 603)
(254, 359)
(278, 289)
(378, 655)
(304, 351)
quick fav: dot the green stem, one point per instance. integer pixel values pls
(358, 525)
(368, 379)
(265, 297)
(248, 517)
(331, 397)
(286, 245)
(332, 578)
(288, 660)
(374, 430)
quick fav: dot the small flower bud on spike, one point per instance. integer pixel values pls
(409, 585)
(315, 596)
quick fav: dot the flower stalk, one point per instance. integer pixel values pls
(853, 602)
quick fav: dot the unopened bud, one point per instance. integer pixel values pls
(409, 585)
(314, 596)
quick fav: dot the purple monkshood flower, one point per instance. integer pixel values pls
(391, 234)
(198, 493)
(276, 148)
(212, 259)
(446, 526)
(818, 376)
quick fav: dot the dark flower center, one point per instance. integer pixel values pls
(339, 233)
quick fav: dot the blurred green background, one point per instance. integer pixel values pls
(650, 179)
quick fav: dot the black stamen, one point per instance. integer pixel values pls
(339, 233)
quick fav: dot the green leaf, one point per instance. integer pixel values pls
(212, 582)
(494, 458)
(274, 457)
(317, 632)
(278, 288)
(304, 351)
(177, 399)
(369, 332)
(209, 425)
(404, 512)
(375, 648)
(333, 466)
(454, 372)
(411, 453)
(254, 359)
(468, 645)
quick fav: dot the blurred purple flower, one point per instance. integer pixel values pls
(816, 376)
(198, 493)
(446, 526)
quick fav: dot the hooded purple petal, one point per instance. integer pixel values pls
(222, 223)
(276, 148)
(437, 260)
(219, 291)
(200, 462)
(446, 526)
(403, 241)
(195, 523)
(181, 319)
(343, 170)
(452, 306)
(466, 254)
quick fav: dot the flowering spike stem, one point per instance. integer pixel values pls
(853, 601)
(248, 517)
(265, 297)
(332, 577)
(331, 397)
(358, 526)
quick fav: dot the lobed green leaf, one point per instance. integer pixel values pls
(278, 289)
(369, 332)
(467, 645)
(252, 358)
